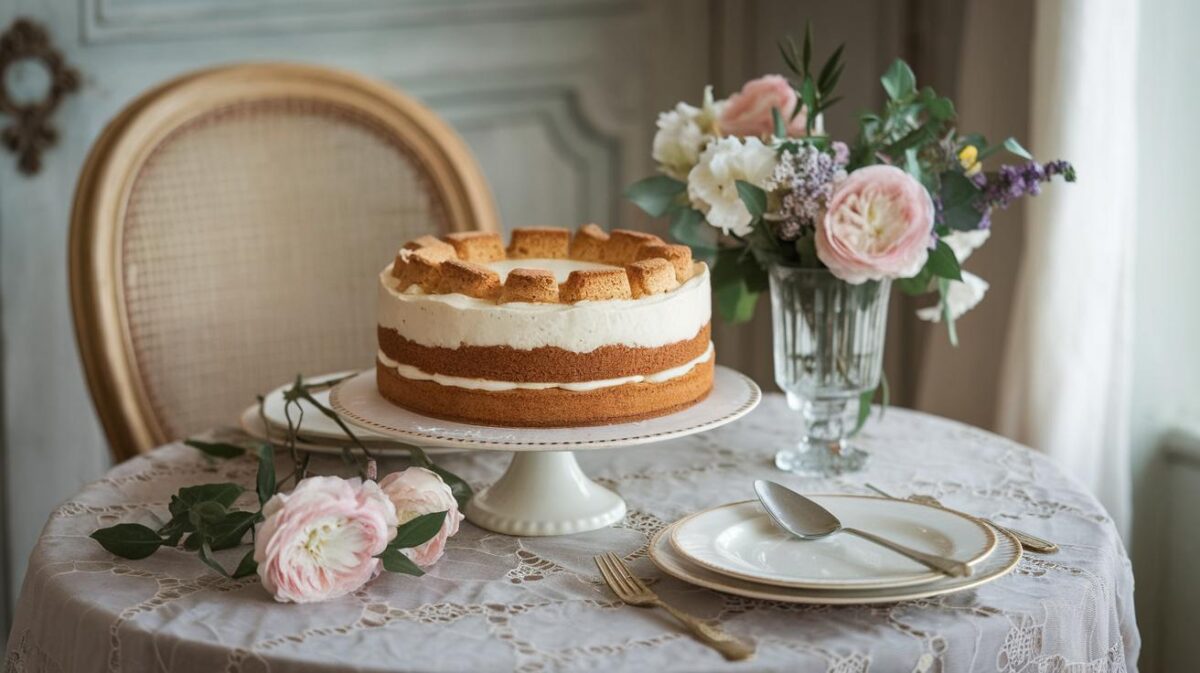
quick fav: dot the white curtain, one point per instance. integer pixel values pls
(1065, 386)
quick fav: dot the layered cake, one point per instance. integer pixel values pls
(553, 329)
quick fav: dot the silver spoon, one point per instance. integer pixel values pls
(807, 520)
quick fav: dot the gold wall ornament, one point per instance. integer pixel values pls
(29, 131)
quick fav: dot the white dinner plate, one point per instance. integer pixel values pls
(358, 400)
(740, 540)
(314, 424)
(252, 425)
(997, 564)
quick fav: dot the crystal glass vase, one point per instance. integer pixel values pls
(829, 338)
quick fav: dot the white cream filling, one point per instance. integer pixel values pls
(454, 320)
(410, 372)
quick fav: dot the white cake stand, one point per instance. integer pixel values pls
(543, 492)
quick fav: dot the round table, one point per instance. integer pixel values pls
(499, 603)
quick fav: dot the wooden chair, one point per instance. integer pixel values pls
(227, 231)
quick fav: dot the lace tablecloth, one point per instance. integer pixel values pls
(498, 603)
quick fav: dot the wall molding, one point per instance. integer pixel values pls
(106, 21)
(592, 150)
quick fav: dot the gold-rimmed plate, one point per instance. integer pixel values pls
(999, 563)
(740, 540)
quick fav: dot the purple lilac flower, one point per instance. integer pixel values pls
(808, 176)
(1014, 182)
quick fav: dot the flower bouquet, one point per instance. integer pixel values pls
(757, 188)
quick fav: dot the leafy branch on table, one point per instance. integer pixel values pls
(203, 517)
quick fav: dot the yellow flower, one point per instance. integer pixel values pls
(969, 158)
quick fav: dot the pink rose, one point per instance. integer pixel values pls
(320, 541)
(877, 225)
(748, 113)
(418, 491)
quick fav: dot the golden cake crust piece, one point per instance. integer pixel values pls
(473, 280)
(651, 276)
(622, 245)
(539, 242)
(588, 245)
(680, 257)
(530, 285)
(595, 285)
(477, 246)
(421, 267)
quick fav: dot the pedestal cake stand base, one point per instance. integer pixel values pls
(544, 491)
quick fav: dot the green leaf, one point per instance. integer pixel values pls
(216, 449)
(830, 71)
(229, 531)
(128, 540)
(689, 227)
(899, 81)
(1015, 147)
(735, 302)
(808, 96)
(418, 531)
(224, 493)
(394, 561)
(205, 513)
(787, 58)
(864, 410)
(777, 119)
(174, 529)
(754, 198)
(912, 166)
(246, 567)
(806, 250)
(755, 276)
(918, 284)
(655, 194)
(941, 109)
(826, 103)
(942, 262)
(734, 296)
(958, 195)
(265, 481)
(206, 556)
(915, 138)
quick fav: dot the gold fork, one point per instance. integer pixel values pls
(633, 591)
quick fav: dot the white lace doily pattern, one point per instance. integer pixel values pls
(497, 603)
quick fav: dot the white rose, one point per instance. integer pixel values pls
(712, 184)
(682, 135)
(963, 243)
(961, 296)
